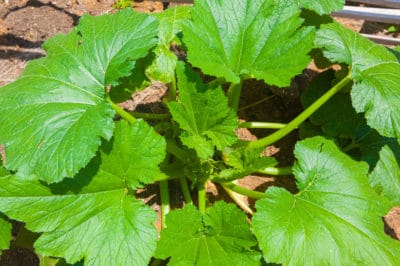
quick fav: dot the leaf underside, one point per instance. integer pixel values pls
(263, 39)
(53, 117)
(93, 216)
(334, 219)
(219, 237)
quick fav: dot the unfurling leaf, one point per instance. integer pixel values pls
(203, 114)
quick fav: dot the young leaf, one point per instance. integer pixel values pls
(334, 219)
(243, 162)
(163, 67)
(238, 39)
(203, 114)
(375, 71)
(95, 218)
(54, 116)
(322, 7)
(171, 19)
(219, 237)
(385, 178)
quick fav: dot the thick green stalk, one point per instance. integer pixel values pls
(165, 206)
(350, 147)
(173, 149)
(244, 191)
(172, 90)
(185, 190)
(301, 117)
(269, 125)
(256, 103)
(276, 171)
(202, 199)
(150, 116)
(121, 112)
(234, 91)
(237, 200)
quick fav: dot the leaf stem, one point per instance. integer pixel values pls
(244, 191)
(121, 112)
(269, 125)
(234, 196)
(173, 149)
(202, 201)
(276, 171)
(185, 190)
(352, 145)
(172, 90)
(256, 103)
(301, 117)
(150, 116)
(165, 208)
(234, 91)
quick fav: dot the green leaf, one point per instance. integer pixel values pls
(136, 81)
(219, 237)
(134, 153)
(163, 67)
(370, 144)
(96, 211)
(378, 95)
(375, 71)
(239, 39)
(203, 114)
(5, 234)
(334, 219)
(5, 227)
(385, 178)
(338, 119)
(171, 23)
(54, 116)
(322, 7)
(244, 162)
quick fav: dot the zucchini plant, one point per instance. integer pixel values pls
(74, 159)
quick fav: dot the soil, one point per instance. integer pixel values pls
(26, 24)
